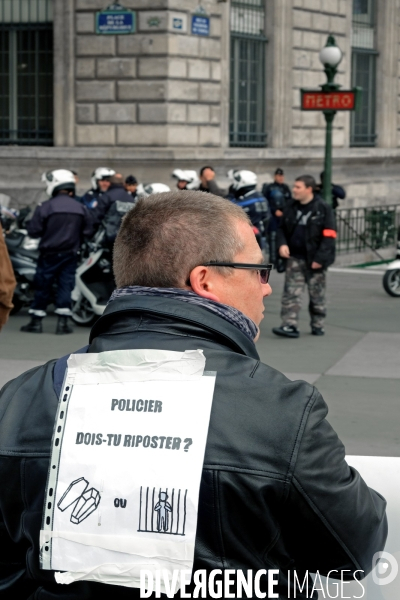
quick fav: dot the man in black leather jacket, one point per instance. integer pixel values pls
(306, 240)
(276, 491)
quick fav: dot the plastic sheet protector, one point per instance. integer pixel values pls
(127, 456)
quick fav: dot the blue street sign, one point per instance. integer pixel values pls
(200, 25)
(116, 22)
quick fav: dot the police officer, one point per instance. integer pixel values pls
(244, 193)
(100, 184)
(186, 180)
(131, 185)
(113, 206)
(338, 193)
(277, 194)
(60, 223)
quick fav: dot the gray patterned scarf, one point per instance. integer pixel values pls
(230, 314)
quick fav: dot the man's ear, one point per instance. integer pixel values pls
(203, 283)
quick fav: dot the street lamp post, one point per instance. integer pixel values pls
(330, 56)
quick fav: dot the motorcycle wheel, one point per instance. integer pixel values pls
(391, 282)
(82, 312)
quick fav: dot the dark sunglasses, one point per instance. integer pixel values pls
(264, 270)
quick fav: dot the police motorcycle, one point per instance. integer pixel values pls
(243, 192)
(94, 279)
(23, 252)
(8, 217)
(391, 278)
(186, 179)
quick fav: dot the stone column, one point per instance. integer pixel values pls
(387, 73)
(64, 73)
(279, 92)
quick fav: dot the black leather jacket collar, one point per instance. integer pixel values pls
(200, 320)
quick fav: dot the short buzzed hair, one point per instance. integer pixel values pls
(166, 235)
(308, 181)
(117, 179)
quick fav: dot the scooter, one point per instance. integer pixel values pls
(24, 254)
(94, 282)
(391, 278)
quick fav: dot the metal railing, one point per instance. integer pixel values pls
(371, 227)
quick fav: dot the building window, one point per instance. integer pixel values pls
(247, 73)
(26, 72)
(363, 67)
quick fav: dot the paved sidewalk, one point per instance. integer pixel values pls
(356, 365)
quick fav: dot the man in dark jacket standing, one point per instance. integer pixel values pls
(209, 184)
(60, 223)
(306, 240)
(275, 491)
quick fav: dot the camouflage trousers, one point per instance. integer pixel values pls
(297, 275)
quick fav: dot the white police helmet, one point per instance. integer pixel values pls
(156, 188)
(192, 181)
(60, 179)
(151, 188)
(101, 173)
(242, 179)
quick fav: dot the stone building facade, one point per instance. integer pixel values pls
(161, 98)
(155, 88)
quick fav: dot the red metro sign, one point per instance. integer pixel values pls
(337, 100)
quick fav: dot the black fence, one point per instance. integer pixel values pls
(360, 229)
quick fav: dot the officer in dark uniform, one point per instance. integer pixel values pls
(112, 207)
(244, 193)
(277, 194)
(338, 192)
(186, 179)
(131, 185)
(60, 223)
(100, 184)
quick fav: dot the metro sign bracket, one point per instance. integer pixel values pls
(330, 100)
